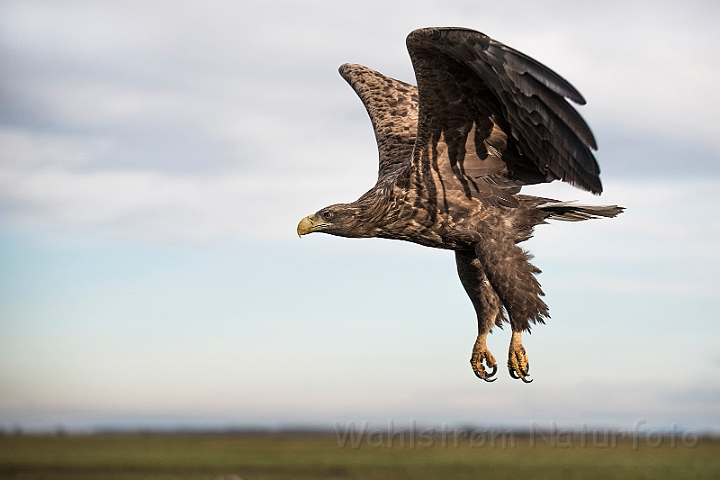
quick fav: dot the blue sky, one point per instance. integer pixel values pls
(155, 158)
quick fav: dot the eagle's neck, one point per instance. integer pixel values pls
(372, 215)
(395, 216)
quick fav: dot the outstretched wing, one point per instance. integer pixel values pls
(393, 109)
(493, 119)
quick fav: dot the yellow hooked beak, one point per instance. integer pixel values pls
(308, 224)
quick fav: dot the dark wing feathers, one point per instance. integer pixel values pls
(466, 79)
(491, 118)
(529, 86)
(521, 63)
(393, 109)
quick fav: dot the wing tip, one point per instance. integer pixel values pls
(592, 184)
(435, 33)
(346, 69)
(522, 63)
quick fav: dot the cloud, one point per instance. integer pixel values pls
(154, 206)
(111, 106)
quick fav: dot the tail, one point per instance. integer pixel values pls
(572, 212)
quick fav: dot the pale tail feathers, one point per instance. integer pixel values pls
(573, 212)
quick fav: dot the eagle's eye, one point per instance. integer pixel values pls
(328, 215)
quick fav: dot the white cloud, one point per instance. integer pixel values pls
(217, 65)
(160, 207)
(661, 215)
(21, 150)
(87, 105)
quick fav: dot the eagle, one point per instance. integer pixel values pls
(483, 121)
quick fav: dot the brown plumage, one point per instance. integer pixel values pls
(483, 121)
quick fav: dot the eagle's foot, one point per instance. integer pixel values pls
(518, 363)
(481, 354)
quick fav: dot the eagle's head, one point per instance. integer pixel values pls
(342, 219)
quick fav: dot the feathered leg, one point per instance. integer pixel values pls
(487, 307)
(512, 276)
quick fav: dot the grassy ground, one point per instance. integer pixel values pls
(304, 456)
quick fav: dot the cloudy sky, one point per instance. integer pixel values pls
(155, 158)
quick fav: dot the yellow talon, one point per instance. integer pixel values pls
(518, 363)
(481, 353)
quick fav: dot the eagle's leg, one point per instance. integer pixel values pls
(512, 276)
(518, 363)
(487, 307)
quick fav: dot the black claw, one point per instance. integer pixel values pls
(520, 375)
(484, 376)
(481, 373)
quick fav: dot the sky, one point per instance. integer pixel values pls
(155, 158)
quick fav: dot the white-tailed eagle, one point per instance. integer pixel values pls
(483, 121)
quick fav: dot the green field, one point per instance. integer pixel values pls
(304, 456)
